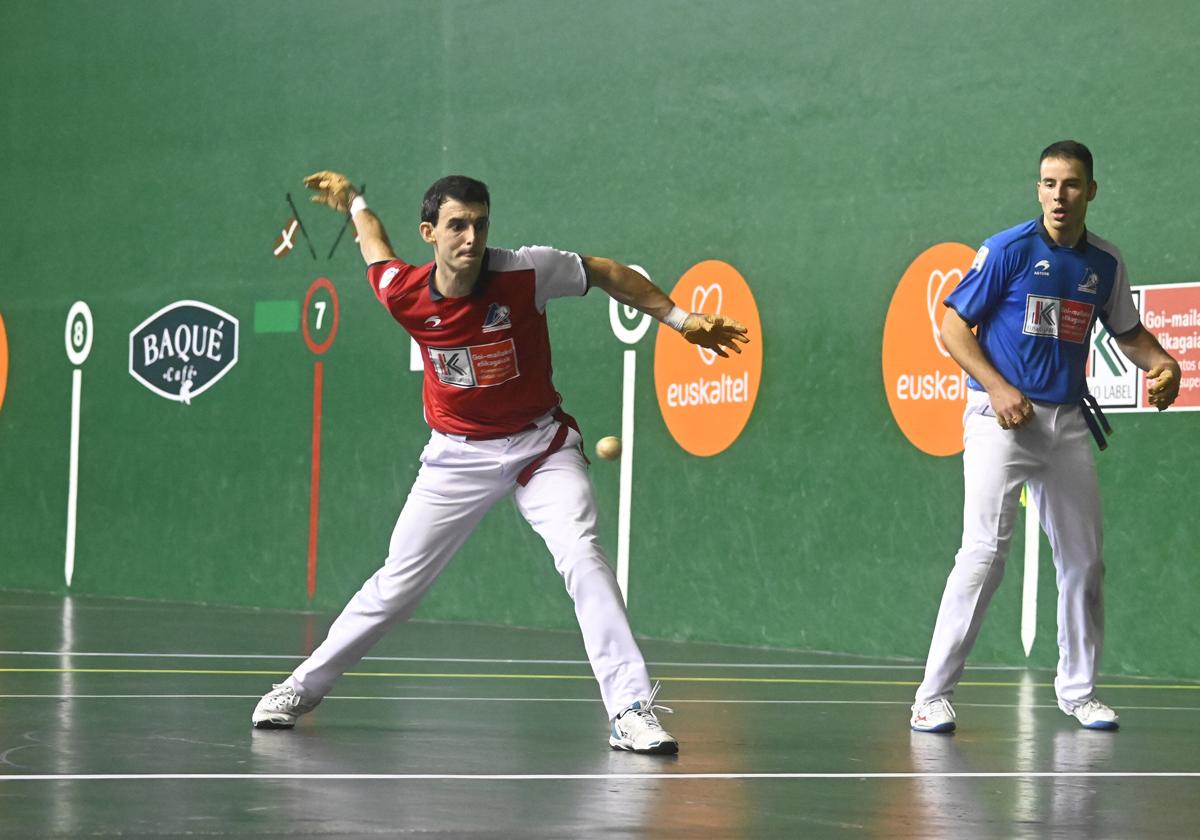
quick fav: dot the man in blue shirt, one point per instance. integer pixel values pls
(1033, 294)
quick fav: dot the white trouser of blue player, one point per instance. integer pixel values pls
(1052, 453)
(458, 482)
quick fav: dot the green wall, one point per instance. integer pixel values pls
(146, 148)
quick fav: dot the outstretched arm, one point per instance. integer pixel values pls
(625, 285)
(334, 190)
(1162, 371)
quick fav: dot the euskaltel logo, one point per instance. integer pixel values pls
(926, 389)
(706, 400)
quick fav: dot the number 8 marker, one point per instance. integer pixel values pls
(78, 340)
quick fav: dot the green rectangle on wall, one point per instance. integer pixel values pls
(276, 316)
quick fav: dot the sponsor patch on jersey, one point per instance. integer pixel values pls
(980, 258)
(497, 318)
(1066, 320)
(480, 366)
(1042, 268)
(388, 277)
(1091, 282)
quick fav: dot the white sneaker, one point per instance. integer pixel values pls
(637, 729)
(1092, 714)
(934, 716)
(279, 708)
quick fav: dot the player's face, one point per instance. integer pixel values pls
(459, 237)
(1064, 191)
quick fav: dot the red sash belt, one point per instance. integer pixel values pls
(565, 422)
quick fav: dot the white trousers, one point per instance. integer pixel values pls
(458, 483)
(1053, 455)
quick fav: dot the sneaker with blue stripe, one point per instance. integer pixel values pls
(1091, 714)
(637, 729)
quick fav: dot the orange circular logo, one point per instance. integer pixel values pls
(706, 400)
(926, 389)
(3, 360)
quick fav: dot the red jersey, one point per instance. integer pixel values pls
(486, 355)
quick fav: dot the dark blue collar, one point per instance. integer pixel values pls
(1080, 246)
(480, 282)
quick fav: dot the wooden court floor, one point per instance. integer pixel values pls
(132, 719)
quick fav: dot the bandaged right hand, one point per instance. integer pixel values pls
(333, 190)
(714, 332)
(1163, 384)
(1011, 407)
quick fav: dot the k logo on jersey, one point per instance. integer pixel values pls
(1041, 315)
(480, 366)
(1061, 318)
(453, 365)
(497, 318)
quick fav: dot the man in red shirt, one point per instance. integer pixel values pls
(499, 430)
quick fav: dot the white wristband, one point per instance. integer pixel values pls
(675, 318)
(359, 203)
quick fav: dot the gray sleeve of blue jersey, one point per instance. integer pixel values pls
(1119, 313)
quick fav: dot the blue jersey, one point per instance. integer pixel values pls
(1035, 303)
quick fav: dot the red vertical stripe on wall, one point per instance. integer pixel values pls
(315, 498)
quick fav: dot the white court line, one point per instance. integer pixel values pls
(299, 657)
(581, 662)
(584, 777)
(596, 701)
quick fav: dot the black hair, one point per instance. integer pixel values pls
(456, 187)
(1072, 150)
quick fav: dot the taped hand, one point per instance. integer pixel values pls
(1163, 382)
(1011, 407)
(333, 190)
(714, 332)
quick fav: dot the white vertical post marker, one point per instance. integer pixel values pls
(625, 505)
(1029, 584)
(73, 480)
(79, 345)
(630, 336)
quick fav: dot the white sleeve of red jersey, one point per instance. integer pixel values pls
(557, 273)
